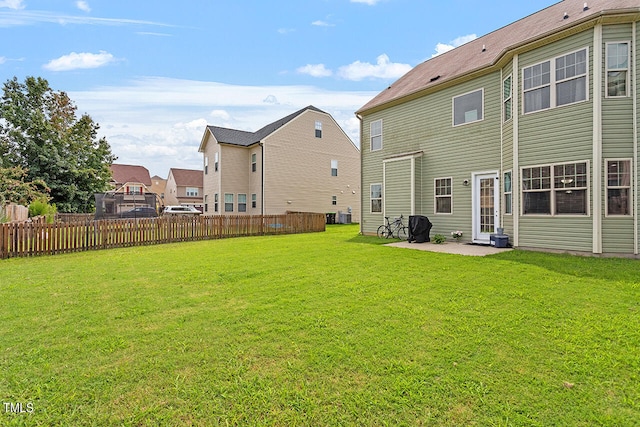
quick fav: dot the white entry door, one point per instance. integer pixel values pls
(486, 206)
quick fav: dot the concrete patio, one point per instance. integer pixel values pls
(452, 248)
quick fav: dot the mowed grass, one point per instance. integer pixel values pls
(323, 329)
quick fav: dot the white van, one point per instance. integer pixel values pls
(180, 210)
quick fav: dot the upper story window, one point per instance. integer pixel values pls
(134, 189)
(617, 69)
(206, 165)
(215, 162)
(467, 108)
(376, 135)
(253, 162)
(318, 129)
(556, 82)
(334, 168)
(506, 99)
(192, 191)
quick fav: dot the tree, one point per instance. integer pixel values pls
(14, 188)
(39, 132)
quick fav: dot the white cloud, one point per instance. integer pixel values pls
(159, 122)
(445, 47)
(83, 5)
(368, 2)
(24, 17)
(75, 61)
(12, 4)
(383, 69)
(286, 30)
(320, 23)
(3, 59)
(317, 70)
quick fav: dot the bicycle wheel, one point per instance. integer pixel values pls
(383, 232)
(403, 233)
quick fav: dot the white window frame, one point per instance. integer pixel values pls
(254, 200)
(509, 193)
(554, 82)
(628, 186)
(334, 200)
(216, 198)
(437, 196)
(507, 99)
(377, 135)
(318, 129)
(553, 190)
(608, 70)
(242, 206)
(215, 162)
(226, 207)
(479, 117)
(206, 165)
(254, 162)
(192, 191)
(371, 198)
(334, 168)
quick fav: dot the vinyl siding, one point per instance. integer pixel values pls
(398, 184)
(298, 168)
(426, 124)
(560, 134)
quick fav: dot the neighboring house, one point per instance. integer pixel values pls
(303, 162)
(532, 128)
(130, 189)
(184, 187)
(130, 179)
(158, 186)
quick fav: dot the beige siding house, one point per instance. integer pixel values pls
(532, 128)
(184, 187)
(303, 162)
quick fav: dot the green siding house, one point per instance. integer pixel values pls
(532, 128)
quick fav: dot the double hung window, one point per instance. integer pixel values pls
(376, 135)
(376, 198)
(443, 195)
(617, 69)
(228, 202)
(556, 82)
(619, 187)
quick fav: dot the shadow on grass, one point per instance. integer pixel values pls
(613, 269)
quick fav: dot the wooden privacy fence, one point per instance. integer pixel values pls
(37, 238)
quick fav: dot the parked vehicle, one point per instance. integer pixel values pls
(140, 212)
(180, 210)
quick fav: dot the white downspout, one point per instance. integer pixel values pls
(634, 89)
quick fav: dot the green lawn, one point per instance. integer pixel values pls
(322, 329)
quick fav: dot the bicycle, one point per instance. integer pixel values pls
(393, 229)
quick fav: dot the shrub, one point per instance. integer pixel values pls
(439, 238)
(41, 207)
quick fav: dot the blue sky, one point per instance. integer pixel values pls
(153, 74)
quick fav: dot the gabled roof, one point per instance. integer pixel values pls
(130, 173)
(247, 139)
(487, 50)
(187, 177)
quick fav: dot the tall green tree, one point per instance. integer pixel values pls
(40, 132)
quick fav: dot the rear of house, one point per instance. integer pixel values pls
(531, 128)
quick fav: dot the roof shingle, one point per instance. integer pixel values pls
(487, 50)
